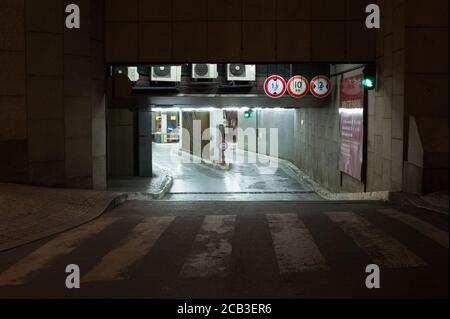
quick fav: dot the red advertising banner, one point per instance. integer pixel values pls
(351, 126)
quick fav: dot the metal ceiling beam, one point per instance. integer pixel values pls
(216, 100)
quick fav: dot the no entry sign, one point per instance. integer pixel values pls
(275, 86)
(320, 86)
(298, 86)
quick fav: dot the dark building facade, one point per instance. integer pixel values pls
(53, 86)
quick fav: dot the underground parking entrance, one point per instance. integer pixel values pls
(225, 131)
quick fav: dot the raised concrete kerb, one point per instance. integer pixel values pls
(326, 194)
(144, 188)
(159, 194)
(30, 213)
(223, 167)
(293, 171)
(420, 202)
(211, 164)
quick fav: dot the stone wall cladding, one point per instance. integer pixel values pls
(52, 93)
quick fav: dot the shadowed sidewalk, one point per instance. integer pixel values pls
(29, 213)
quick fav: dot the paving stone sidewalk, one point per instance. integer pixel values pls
(437, 202)
(29, 213)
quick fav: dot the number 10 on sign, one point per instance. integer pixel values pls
(298, 86)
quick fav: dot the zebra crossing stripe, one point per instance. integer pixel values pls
(383, 249)
(114, 264)
(211, 251)
(295, 248)
(61, 245)
(425, 228)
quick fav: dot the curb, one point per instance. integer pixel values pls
(93, 213)
(223, 167)
(430, 208)
(167, 184)
(210, 164)
(295, 172)
(326, 194)
(409, 200)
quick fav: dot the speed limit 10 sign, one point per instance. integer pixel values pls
(320, 86)
(298, 86)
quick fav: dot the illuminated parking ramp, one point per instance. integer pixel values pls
(295, 248)
(134, 247)
(425, 228)
(211, 250)
(59, 246)
(382, 249)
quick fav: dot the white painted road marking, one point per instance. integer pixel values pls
(294, 246)
(427, 229)
(114, 264)
(382, 248)
(211, 250)
(61, 245)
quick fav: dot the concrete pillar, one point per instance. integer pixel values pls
(13, 108)
(163, 127)
(215, 119)
(180, 119)
(145, 144)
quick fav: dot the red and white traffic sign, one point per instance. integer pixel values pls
(275, 86)
(320, 86)
(298, 86)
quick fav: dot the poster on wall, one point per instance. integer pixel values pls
(351, 126)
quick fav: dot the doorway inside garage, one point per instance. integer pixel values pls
(215, 130)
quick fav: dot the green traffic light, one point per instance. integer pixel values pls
(370, 76)
(368, 83)
(248, 114)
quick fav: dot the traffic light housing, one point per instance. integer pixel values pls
(370, 77)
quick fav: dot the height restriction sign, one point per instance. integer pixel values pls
(298, 86)
(320, 86)
(275, 86)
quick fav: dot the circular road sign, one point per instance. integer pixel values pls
(298, 86)
(275, 86)
(223, 146)
(320, 86)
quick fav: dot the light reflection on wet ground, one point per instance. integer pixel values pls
(244, 180)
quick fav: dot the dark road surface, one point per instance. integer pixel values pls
(167, 249)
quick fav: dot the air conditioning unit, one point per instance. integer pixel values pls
(166, 73)
(241, 72)
(133, 74)
(204, 71)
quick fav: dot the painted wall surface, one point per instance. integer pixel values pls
(246, 140)
(317, 140)
(281, 120)
(188, 145)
